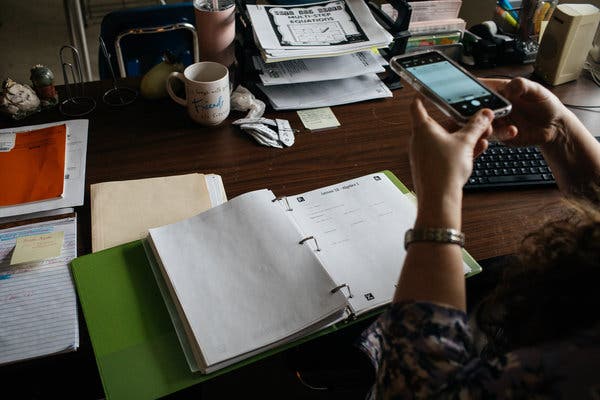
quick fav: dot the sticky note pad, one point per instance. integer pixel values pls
(37, 247)
(318, 118)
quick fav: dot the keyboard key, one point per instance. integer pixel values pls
(516, 178)
(501, 166)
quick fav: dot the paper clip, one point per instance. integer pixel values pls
(76, 104)
(310, 238)
(117, 96)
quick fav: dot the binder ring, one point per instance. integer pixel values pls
(311, 238)
(287, 202)
(344, 285)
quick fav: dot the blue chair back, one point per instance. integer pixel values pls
(140, 52)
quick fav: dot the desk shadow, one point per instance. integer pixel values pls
(329, 367)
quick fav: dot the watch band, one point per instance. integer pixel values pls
(437, 235)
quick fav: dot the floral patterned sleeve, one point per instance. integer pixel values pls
(423, 350)
(416, 349)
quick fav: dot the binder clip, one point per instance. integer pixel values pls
(398, 27)
(76, 104)
(118, 95)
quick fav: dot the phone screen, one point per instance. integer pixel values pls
(448, 82)
(463, 93)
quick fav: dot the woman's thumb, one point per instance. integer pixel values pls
(477, 125)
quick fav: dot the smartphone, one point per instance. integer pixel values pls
(449, 86)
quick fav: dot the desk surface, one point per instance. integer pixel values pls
(148, 139)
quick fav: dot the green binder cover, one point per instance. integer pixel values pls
(136, 347)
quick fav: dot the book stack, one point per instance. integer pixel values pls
(318, 54)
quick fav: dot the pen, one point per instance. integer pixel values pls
(540, 15)
(505, 4)
(507, 17)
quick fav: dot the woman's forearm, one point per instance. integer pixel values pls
(573, 156)
(434, 271)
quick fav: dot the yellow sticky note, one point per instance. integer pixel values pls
(37, 247)
(318, 118)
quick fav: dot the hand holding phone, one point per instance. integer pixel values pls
(450, 87)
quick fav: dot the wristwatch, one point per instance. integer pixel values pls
(437, 235)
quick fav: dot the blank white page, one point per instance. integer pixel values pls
(38, 305)
(242, 278)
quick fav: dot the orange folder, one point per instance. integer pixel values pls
(32, 165)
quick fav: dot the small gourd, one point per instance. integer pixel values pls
(154, 82)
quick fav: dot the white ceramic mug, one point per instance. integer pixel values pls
(206, 91)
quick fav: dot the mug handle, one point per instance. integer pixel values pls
(179, 76)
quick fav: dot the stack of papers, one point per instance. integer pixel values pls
(329, 42)
(42, 174)
(123, 211)
(326, 93)
(315, 30)
(38, 309)
(319, 69)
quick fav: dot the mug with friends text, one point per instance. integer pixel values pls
(206, 90)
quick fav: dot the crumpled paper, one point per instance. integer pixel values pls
(256, 126)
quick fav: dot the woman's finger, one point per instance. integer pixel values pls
(477, 126)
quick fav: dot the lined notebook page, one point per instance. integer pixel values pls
(38, 306)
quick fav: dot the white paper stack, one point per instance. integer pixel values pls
(319, 69)
(320, 29)
(326, 93)
(319, 54)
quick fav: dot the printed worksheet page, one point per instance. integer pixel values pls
(359, 226)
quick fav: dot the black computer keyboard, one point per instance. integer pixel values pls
(503, 167)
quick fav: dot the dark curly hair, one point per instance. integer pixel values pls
(553, 289)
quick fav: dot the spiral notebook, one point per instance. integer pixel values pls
(260, 271)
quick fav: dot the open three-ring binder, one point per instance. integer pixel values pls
(261, 271)
(138, 332)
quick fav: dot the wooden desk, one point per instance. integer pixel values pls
(148, 139)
